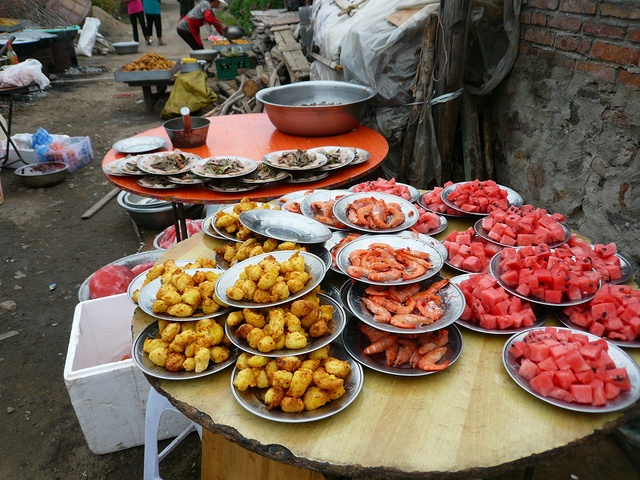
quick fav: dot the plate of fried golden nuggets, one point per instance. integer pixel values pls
(182, 294)
(183, 350)
(226, 222)
(300, 388)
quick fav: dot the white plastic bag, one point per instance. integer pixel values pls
(23, 74)
(87, 37)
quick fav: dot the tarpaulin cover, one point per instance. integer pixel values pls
(189, 90)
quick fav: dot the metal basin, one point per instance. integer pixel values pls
(153, 214)
(181, 139)
(42, 174)
(316, 108)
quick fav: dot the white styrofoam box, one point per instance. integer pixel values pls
(109, 393)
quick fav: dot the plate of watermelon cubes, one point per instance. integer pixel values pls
(432, 201)
(480, 197)
(468, 252)
(549, 276)
(489, 308)
(614, 313)
(522, 226)
(573, 370)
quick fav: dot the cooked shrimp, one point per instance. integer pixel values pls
(381, 345)
(380, 314)
(428, 361)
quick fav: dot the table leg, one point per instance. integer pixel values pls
(176, 221)
(148, 98)
(184, 234)
(7, 132)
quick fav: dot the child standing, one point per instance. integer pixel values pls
(152, 10)
(136, 14)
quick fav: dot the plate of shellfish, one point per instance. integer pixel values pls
(374, 212)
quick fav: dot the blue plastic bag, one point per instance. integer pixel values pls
(41, 141)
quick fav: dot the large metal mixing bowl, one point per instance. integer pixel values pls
(40, 175)
(316, 108)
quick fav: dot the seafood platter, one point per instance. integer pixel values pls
(226, 173)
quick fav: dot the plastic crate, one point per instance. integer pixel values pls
(227, 68)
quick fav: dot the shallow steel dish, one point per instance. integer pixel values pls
(285, 226)
(316, 108)
(42, 174)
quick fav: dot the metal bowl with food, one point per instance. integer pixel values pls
(316, 108)
(42, 174)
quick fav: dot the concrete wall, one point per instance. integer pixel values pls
(569, 117)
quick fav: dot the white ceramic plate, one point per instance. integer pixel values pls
(306, 177)
(285, 226)
(451, 295)
(355, 342)
(343, 262)
(621, 358)
(276, 160)
(412, 192)
(482, 233)
(229, 186)
(264, 174)
(141, 359)
(314, 266)
(147, 296)
(337, 157)
(361, 156)
(146, 163)
(540, 312)
(215, 167)
(513, 198)
(308, 202)
(336, 325)
(157, 182)
(250, 400)
(129, 166)
(139, 144)
(496, 271)
(340, 209)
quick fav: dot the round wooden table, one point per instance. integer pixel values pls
(471, 419)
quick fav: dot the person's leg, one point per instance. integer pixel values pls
(133, 18)
(189, 38)
(158, 21)
(149, 19)
(144, 27)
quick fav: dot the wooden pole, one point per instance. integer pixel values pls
(455, 17)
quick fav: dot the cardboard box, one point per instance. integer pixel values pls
(108, 392)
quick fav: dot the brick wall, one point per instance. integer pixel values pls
(599, 37)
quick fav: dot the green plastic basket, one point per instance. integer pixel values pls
(227, 68)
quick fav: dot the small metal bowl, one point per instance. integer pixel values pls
(42, 174)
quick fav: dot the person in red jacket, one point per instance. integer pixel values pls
(189, 26)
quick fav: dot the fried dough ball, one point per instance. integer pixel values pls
(269, 278)
(270, 244)
(261, 378)
(294, 263)
(271, 367)
(292, 323)
(235, 293)
(281, 291)
(206, 339)
(325, 380)
(170, 331)
(310, 364)
(301, 307)
(159, 356)
(281, 378)
(289, 363)
(174, 362)
(264, 296)
(241, 361)
(326, 312)
(135, 295)
(209, 306)
(182, 281)
(310, 318)
(151, 344)
(181, 310)
(168, 294)
(315, 397)
(299, 383)
(297, 281)
(192, 297)
(243, 330)
(273, 397)
(292, 405)
(244, 379)
(219, 354)
(181, 340)
(235, 318)
(280, 342)
(254, 337)
(202, 359)
(249, 287)
(153, 273)
(189, 364)
(337, 393)
(207, 288)
(318, 329)
(266, 344)
(295, 340)
(257, 361)
(162, 324)
(337, 367)
(254, 317)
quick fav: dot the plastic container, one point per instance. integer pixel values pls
(75, 152)
(108, 392)
(227, 68)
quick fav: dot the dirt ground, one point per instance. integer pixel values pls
(47, 250)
